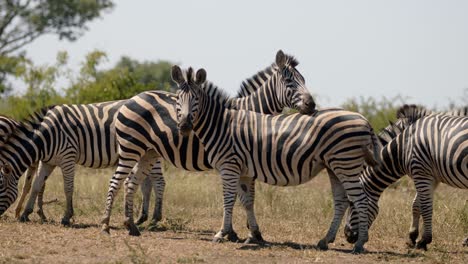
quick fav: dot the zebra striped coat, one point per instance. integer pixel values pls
(147, 127)
(68, 135)
(406, 115)
(431, 149)
(7, 127)
(283, 150)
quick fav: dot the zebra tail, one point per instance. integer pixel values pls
(372, 157)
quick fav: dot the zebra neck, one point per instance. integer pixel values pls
(376, 180)
(21, 151)
(264, 100)
(212, 122)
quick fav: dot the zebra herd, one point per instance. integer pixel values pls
(245, 138)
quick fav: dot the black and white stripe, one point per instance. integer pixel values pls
(431, 149)
(284, 150)
(147, 126)
(67, 135)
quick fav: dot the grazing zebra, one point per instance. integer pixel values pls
(406, 115)
(7, 127)
(284, 150)
(68, 135)
(147, 125)
(431, 149)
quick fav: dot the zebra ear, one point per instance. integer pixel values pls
(280, 59)
(200, 76)
(177, 75)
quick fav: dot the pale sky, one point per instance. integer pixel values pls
(417, 49)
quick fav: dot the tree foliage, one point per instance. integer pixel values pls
(23, 21)
(128, 78)
(378, 112)
(90, 85)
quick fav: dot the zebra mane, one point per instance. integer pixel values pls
(209, 88)
(252, 84)
(291, 61)
(391, 131)
(412, 112)
(29, 123)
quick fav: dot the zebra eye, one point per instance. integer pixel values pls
(6, 170)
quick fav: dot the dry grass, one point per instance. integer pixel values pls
(292, 219)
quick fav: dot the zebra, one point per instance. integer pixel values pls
(406, 114)
(7, 126)
(147, 126)
(256, 93)
(420, 151)
(67, 135)
(284, 150)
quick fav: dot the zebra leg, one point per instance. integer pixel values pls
(158, 184)
(340, 203)
(40, 202)
(358, 198)
(414, 229)
(124, 168)
(142, 171)
(351, 233)
(146, 193)
(68, 172)
(44, 171)
(425, 190)
(26, 188)
(230, 179)
(247, 198)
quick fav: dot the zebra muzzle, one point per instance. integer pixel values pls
(308, 105)
(185, 126)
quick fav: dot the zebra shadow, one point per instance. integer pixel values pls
(298, 246)
(268, 244)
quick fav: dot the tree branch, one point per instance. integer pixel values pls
(19, 42)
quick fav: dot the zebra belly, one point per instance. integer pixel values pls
(282, 174)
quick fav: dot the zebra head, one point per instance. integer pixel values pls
(7, 194)
(291, 83)
(187, 97)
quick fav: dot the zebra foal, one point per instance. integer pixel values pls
(284, 150)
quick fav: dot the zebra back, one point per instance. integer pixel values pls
(407, 115)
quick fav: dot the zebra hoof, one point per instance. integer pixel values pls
(24, 218)
(65, 222)
(421, 245)
(322, 245)
(133, 230)
(255, 238)
(358, 249)
(232, 236)
(143, 217)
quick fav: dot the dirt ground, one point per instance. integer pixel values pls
(51, 243)
(291, 219)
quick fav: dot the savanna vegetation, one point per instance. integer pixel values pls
(292, 219)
